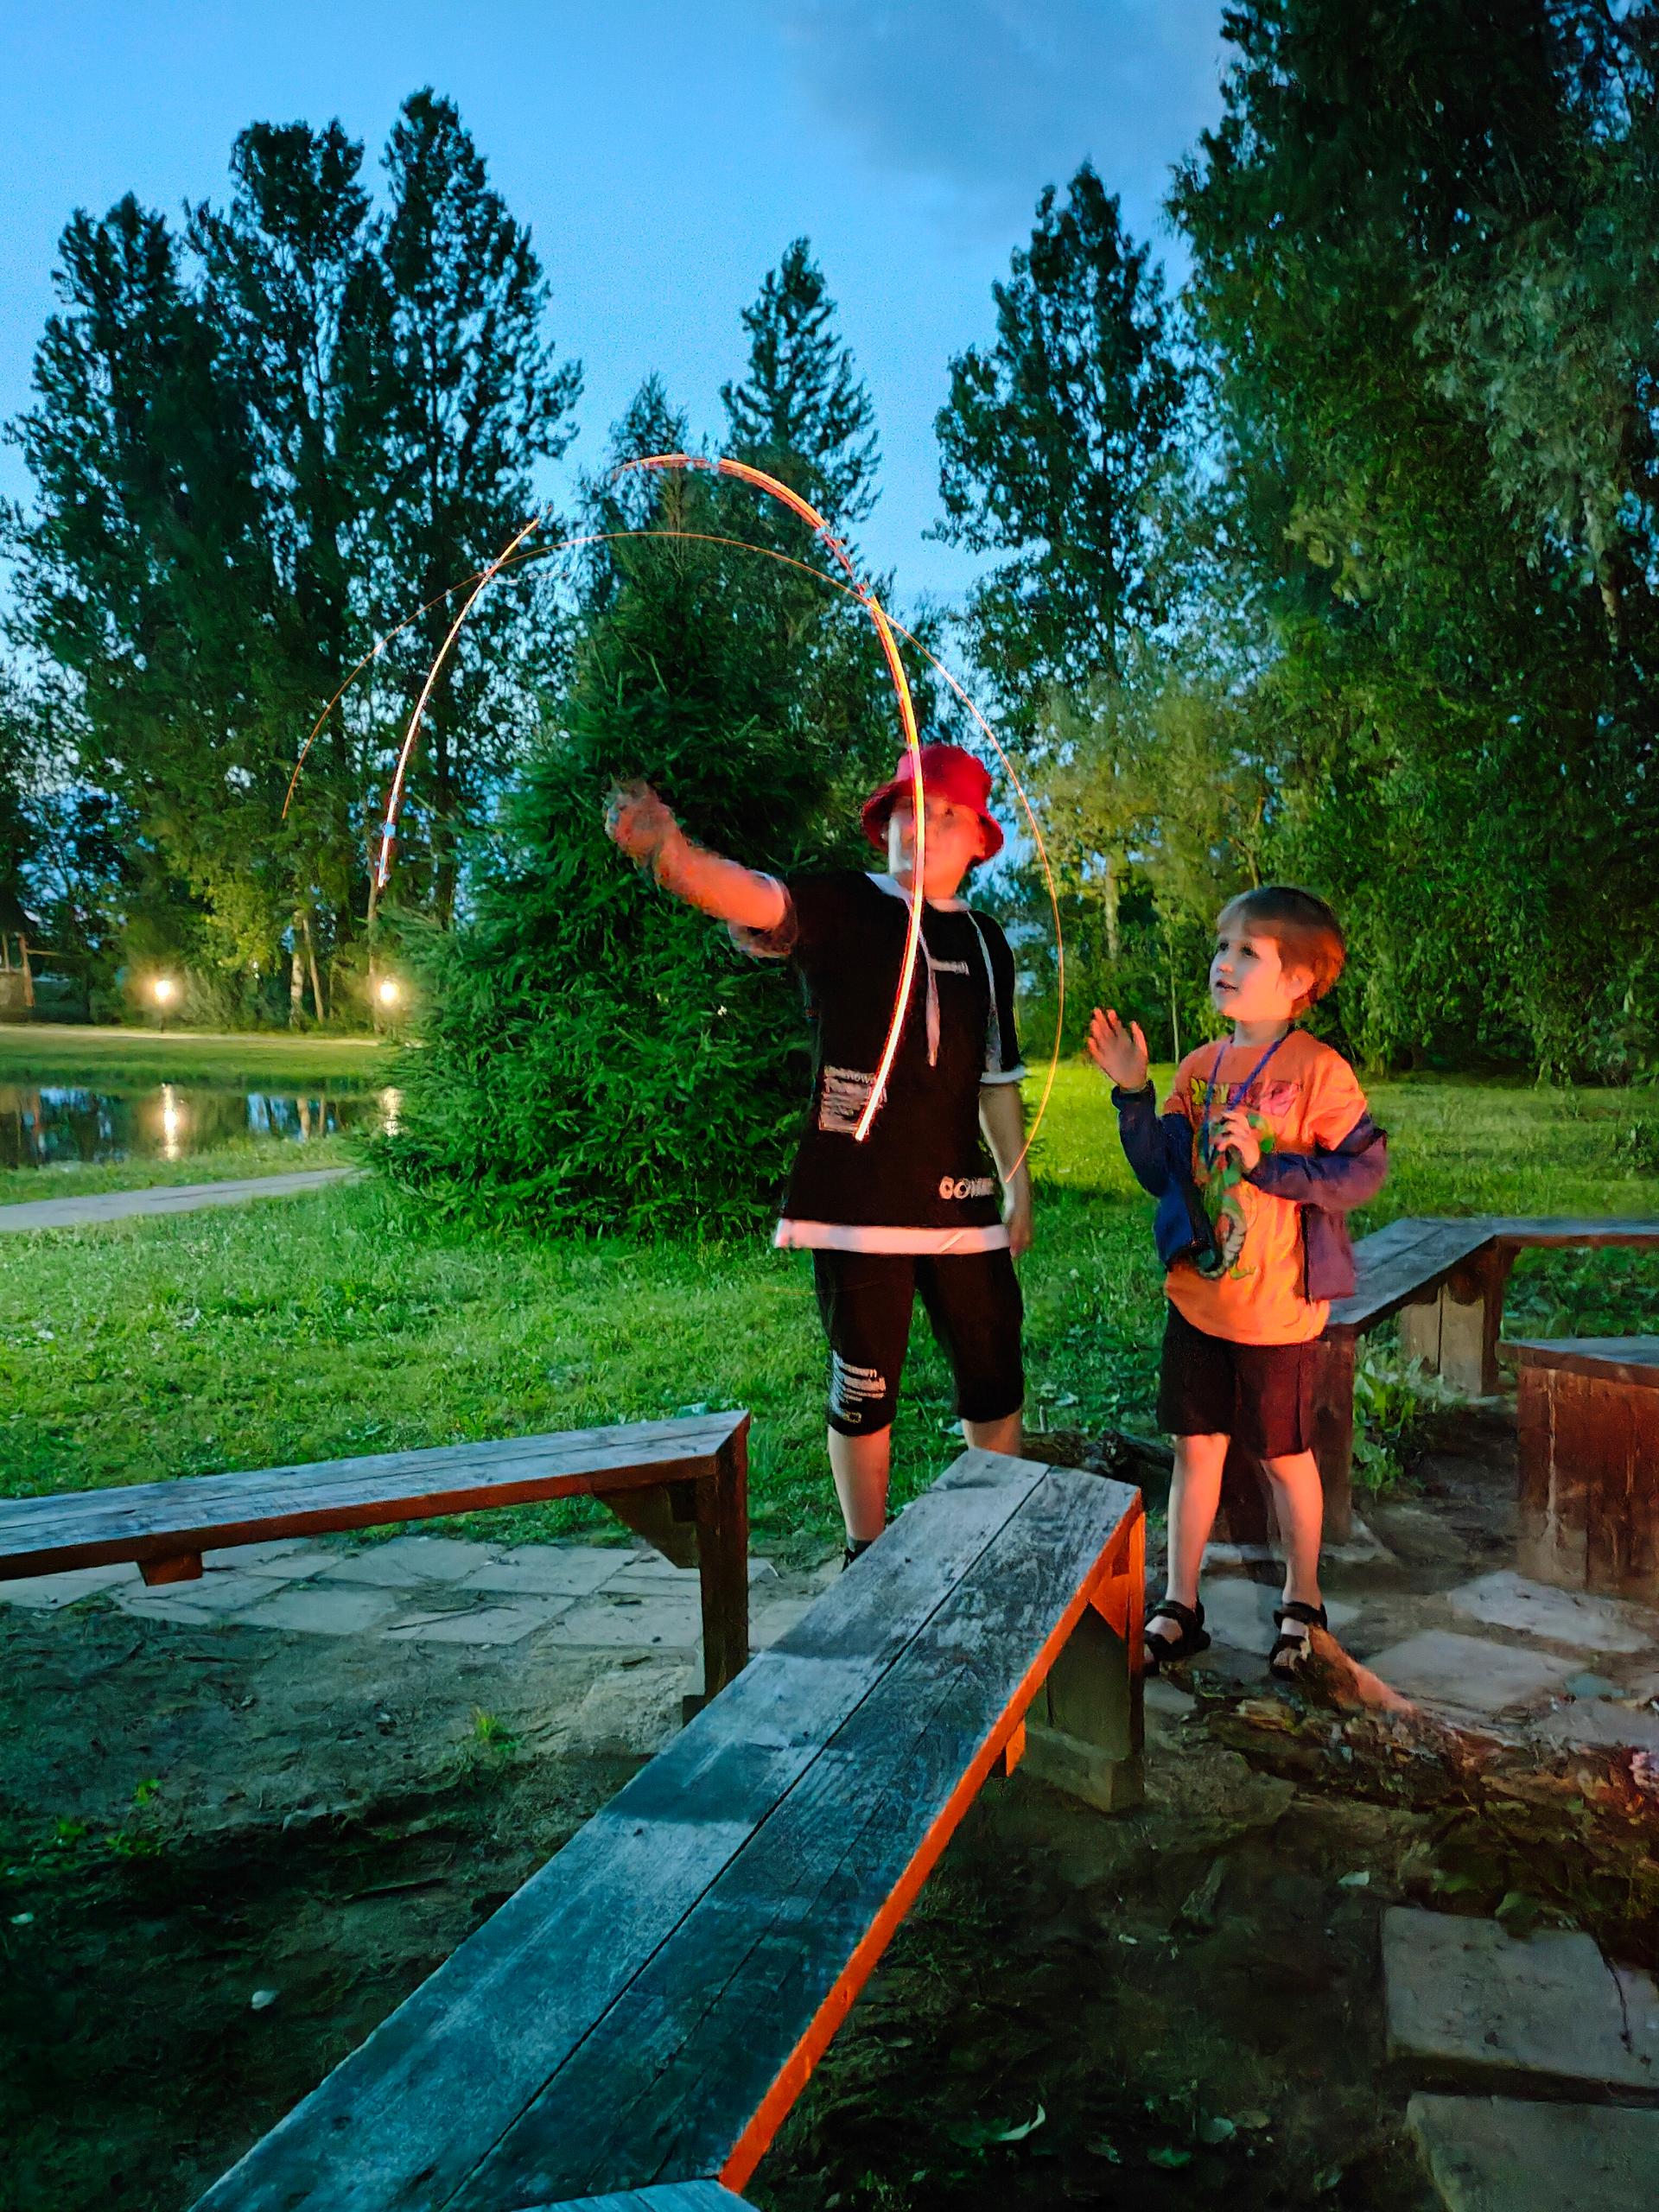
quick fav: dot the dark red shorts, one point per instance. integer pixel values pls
(1261, 1395)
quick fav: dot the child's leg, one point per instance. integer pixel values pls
(1194, 1497)
(974, 1305)
(859, 1465)
(864, 1302)
(1298, 1507)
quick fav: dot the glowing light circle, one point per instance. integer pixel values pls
(887, 631)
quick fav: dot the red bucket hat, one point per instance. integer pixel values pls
(948, 772)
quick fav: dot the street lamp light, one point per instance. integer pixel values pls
(387, 991)
(166, 989)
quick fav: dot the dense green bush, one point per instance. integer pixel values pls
(591, 1054)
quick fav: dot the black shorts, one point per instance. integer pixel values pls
(1260, 1395)
(973, 1302)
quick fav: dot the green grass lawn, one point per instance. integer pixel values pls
(344, 1324)
(127, 1060)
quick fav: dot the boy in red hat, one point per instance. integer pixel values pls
(915, 1207)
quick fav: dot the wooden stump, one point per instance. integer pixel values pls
(1588, 1415)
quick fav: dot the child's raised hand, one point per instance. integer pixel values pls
(638, 821)
(1234, 1133)
(1119, 1053)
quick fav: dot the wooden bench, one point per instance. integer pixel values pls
(632, 2027)
(681, 1485)
(1444, 1277)
(1587, 1416)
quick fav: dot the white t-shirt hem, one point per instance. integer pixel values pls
(847, 1236)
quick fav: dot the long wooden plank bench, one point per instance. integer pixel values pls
(1444, 1277)
(639, 2019)
(681, 1485)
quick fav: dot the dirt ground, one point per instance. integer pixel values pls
(228, 1854)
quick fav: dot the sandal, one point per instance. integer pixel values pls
(1289, 1652)
(1163, 1651)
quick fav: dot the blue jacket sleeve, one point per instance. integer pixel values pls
(1158, 1149)
(1335, 1181)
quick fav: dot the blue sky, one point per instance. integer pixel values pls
(662, 155)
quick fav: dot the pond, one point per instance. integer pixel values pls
(44, 1125)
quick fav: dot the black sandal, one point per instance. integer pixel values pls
(1307, 1616)
(1163, 1651)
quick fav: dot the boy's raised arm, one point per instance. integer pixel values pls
(646, 830)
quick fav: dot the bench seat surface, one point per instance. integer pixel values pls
(659, 1992)
(46, 1535)
(1634, 1360)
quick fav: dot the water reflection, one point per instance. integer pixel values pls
(41, 1125)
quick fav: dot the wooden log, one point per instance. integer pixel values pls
(1454, 1333)
(1087, 1735)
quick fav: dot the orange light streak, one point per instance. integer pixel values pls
(887, 627)
(809, 515)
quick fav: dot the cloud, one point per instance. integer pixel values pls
(985, 101)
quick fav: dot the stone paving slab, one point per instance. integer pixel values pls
(476, 1623)
(49, 1593)
(1467, 2001)
(1467, 1675)
(1505, 1599)
(404, 1562)
(1599, 1724)
(1240, 1613)
(210, 1596)
(258, 1559)
(1498, 2154)
(546, 1571)
(667, 1620)
(323, 1609)
(167, 1198)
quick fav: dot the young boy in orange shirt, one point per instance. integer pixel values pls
(1263, 1146)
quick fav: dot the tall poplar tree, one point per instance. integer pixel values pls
(474, 398)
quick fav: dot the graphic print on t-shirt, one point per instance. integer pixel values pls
(1307, 1098)
(922, 1180)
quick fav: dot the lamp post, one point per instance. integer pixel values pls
(388, 995)
(165, 989)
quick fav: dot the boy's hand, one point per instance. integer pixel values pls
(1017, 1214)
(638, 821)
(1234, 1133)
(1119, 1053)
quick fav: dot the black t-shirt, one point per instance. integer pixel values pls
(922, 1180)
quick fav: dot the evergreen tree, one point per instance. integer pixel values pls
(802, 413)
(1053, 443)
(594, 1054)
(473, 398)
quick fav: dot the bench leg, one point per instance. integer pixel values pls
(1455, 1333)
(182, 1567)
(1085, 1732)
(723, 1558)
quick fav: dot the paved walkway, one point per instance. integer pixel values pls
(437, 1590)
(170, 1198)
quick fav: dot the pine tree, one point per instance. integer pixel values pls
(1053, 442)
(802, 413)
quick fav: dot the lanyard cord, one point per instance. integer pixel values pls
(1205, 1148)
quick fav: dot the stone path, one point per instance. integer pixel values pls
(166, 1199)
(436, 1589)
